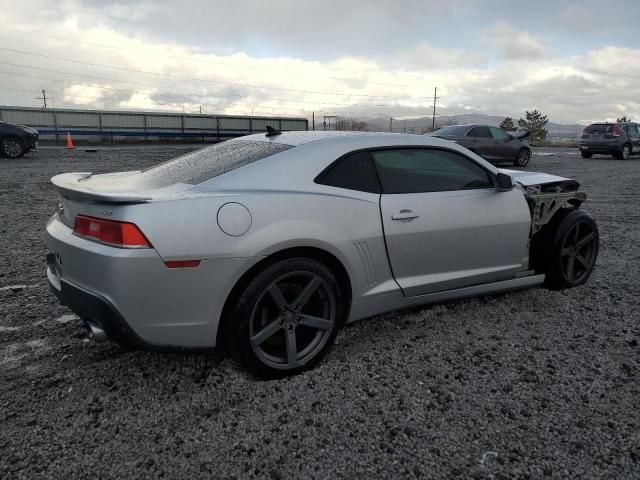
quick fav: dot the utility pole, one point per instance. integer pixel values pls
(313, 120)
(404, 127)
(435, 97)
(43, 98)
(200, 109)
(390, 124)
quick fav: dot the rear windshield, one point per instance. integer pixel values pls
(209, 162)
(601, 128)
(453, 131)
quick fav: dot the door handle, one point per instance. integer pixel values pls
(404, 215)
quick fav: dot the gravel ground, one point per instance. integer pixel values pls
(530, 384)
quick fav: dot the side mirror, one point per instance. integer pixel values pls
(504, 183)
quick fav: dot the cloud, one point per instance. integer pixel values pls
(508, 71)
(515, 44)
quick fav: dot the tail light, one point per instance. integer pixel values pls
(110, 232)
(616, 130)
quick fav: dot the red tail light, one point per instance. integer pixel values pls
(110, 232)
(616, 130)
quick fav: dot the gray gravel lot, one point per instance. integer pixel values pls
(530, 384)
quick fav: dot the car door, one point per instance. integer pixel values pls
(445, 224)
(634, 137)
(481, 142)
(504, 145)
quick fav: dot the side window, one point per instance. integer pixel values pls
(482, 132)
(633, 130)
(499, 134)
(353, 172)
(410, 170)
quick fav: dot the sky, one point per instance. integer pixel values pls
(576, 61)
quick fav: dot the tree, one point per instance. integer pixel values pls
(534, 122)
(623, 119)
(507, 125)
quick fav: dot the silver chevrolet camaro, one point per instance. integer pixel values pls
(269, 243)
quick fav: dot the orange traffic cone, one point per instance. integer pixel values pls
(69, 142)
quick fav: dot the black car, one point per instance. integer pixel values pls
(491, 143)
(16, 140)
(618, 139)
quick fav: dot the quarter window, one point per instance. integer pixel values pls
(411, 170)
(353, 172)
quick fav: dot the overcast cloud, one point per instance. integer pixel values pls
(353, 57)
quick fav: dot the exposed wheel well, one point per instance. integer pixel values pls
(322, 256)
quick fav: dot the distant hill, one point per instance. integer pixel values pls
(420, 125)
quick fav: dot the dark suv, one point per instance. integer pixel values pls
(618, 139)
(16, 140)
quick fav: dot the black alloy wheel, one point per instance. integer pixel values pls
(287, 319)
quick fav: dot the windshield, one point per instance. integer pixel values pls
(209, 162)
(453, 131)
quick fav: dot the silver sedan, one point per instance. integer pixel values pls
(268, 244)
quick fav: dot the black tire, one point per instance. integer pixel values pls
(624, 153)
(586, 154)
(296, 301)
(524, 155)
(12, 147)
(571, 243)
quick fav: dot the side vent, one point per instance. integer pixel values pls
(367, 263)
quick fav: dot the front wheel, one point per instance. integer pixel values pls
(287, 318)
(572, 248)
(11, 147)
(524, 155)
(586, 154)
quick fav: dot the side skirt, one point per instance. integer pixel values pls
(384, 303)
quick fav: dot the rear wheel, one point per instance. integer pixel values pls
(524, 155)
(287, 318)
(571, 248)
(12, 147)
(586, 154)
(624, 153)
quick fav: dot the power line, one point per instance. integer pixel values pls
(191, 94)
(214, 62)
(182, 77)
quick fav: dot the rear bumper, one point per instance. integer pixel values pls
(609, 149)
(134, 297)
(94, 310)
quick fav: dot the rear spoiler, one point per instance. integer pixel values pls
(522, 134)
(70, 186)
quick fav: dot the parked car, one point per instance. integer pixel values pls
(491, 143)
(268, 244)
(618, 139)
(16, 140)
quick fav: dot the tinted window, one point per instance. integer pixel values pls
(499, 134)
(479, 132)
(354, 172)
(428, 170)
(452, 131)
(209, 162)
(633, 130)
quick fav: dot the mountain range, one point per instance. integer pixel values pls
(423, 124)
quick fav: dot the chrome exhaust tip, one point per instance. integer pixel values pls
(96, 332)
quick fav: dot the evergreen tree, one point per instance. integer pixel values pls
(507, 125)
(623, 119)
(534, 122)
